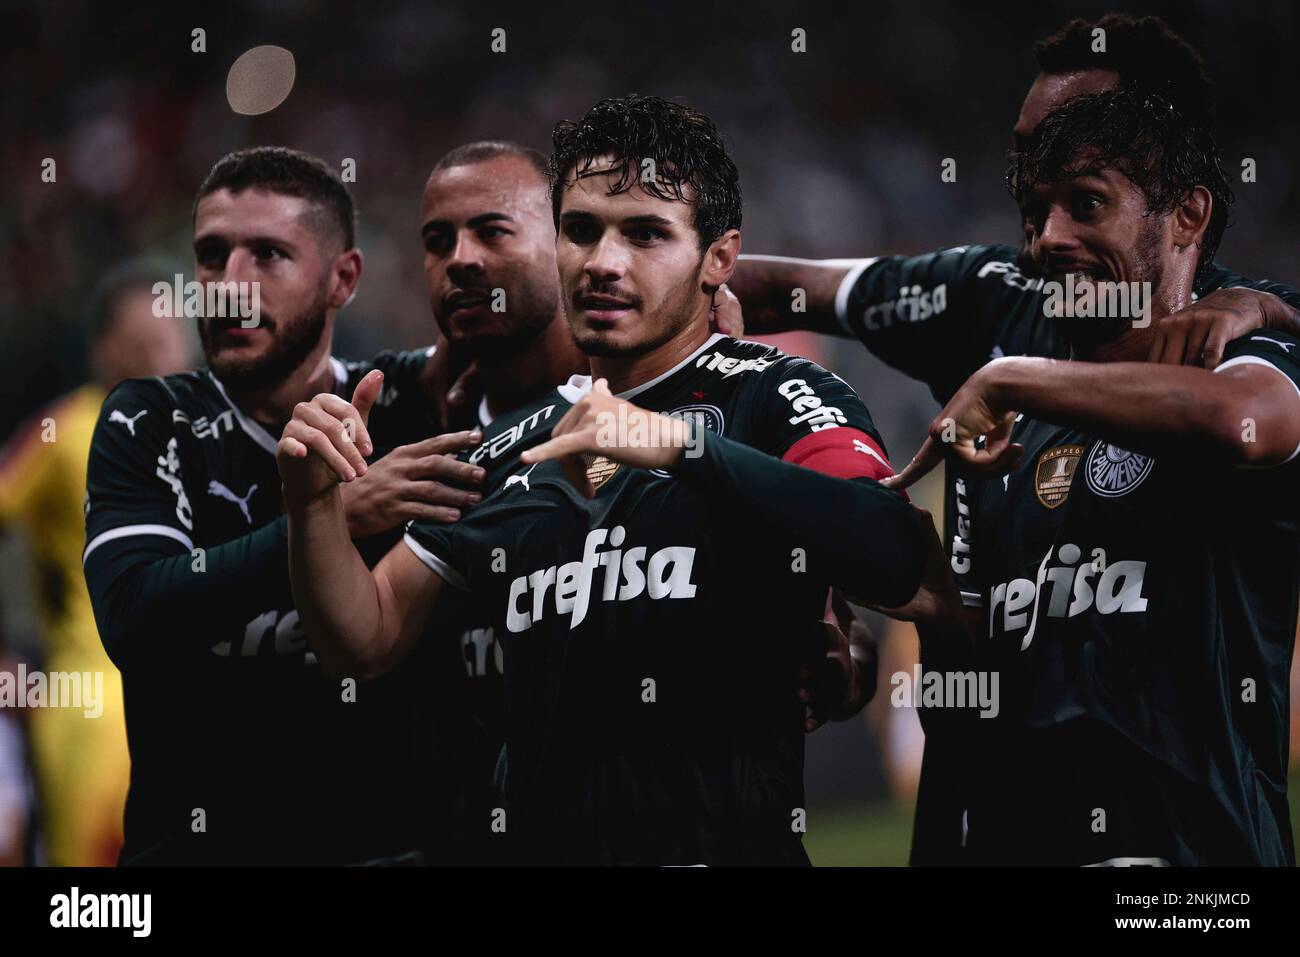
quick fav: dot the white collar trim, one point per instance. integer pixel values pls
(254, 430)
(580, 385)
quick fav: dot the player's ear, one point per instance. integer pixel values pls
(1192, 217)
(720, 259)
(345, 274)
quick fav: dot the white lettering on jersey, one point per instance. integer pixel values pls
(205, 428)
(169, 470)
(628, 575)
(286, 631)
(730, 365)
(808, 406)
(474, 646)
(220, 491)
(912, 305)
(510, 436)
(118, 416)
(961, 541)
(1111, 471)
(1118, 588)
(1011, 275)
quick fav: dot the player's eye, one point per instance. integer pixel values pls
(1083, 205)
(436, 243)
(645, 235)
(265, 252)
(581, 232)
(488, 233)
(211, 255)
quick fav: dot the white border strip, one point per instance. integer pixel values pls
(580, 385)
(436, 564)
(166, 531)
(846, 287)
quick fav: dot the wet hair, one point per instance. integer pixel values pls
(690, 162)
(1148, 56)
(287, 172)
(1164, 153)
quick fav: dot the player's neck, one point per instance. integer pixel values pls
(626, 373)
(525, 376)
(1134, 344)
(274, 404)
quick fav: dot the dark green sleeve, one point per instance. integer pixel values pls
(861, 536)
(144, 578)
(934, 317)
(1214, 277)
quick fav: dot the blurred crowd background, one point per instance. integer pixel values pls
(839, 149)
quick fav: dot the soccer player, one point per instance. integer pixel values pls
(651, 598)
(1141, 570)
(939, 317)
(82, 764)
(242, 751)
(490, 272)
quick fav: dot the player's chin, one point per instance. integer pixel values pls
(610, 339)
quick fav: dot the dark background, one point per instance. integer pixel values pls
(839, 150)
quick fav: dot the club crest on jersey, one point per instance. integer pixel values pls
(1055, 472)
(1112, 471)
(600, 469)
(709, 416)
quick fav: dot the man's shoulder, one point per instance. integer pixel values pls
(189, 392)
(508, 434)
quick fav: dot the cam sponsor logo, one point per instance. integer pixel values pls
(1074, 589)
(205, 428)
(1055, 472)
(507, 439)
(1112, 471)
(730, 365)
(914, 304)
(808, 406)
(627, 575)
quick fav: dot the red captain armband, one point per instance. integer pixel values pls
(842, 453)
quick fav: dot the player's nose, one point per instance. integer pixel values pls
(607, 260)
(466, 255)
(1057, 233)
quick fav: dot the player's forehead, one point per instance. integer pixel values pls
(509, 185)
(1050, 90)
(252, 213)
(592, 192)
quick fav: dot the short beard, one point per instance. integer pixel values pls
(678, 311)
(1085, 335)
(297, 339)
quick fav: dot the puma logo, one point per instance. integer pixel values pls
(520, 479)
(1284, 346)
(220, 491)
(117, 416)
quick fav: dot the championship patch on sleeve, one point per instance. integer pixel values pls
(842, 453)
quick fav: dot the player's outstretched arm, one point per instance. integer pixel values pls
(1245, 413)
(864, 536)
(359, 622)
(779, 294)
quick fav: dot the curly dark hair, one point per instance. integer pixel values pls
(689, 158)
(1147, 55)
(278, 169)
(1164, 153)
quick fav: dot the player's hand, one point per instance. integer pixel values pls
(839, 685)
(326, 441)
(410, 482)
(973, 412)
(603, 424)
(1197, 334)
(726, 317)
(937, 598)
(451, 384)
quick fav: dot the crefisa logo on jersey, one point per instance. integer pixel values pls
(1112, 471)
